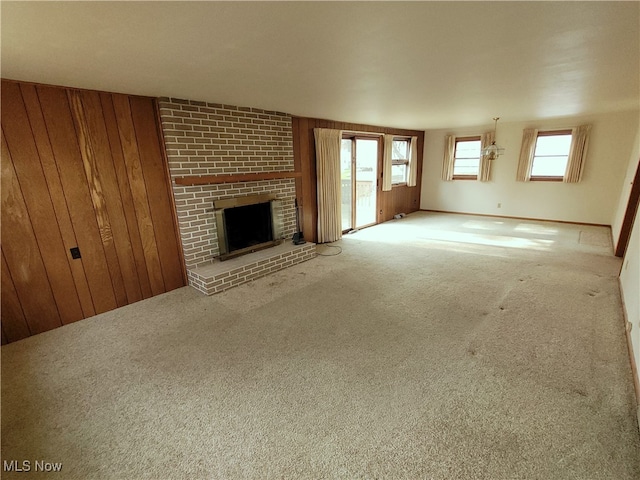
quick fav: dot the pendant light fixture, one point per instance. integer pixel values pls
(493, 151)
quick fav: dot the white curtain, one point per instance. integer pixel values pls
(528, 148)
(328, 143)
(577, 153)
(387, 162)
(412, 176)
(447, 161)
(485, 163)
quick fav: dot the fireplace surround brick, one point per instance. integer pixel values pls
(215, 139)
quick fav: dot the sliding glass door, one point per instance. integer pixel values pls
(346, 166)
(359, 173)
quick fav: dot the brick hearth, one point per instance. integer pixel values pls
(218, 276)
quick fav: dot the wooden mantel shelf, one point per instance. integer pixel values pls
(240, 177)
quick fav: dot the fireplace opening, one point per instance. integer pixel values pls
(247, 224)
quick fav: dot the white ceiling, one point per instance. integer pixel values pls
(416, 65)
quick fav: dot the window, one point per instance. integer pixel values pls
(400, 155)
(359, 175)
(551, 155)
(466, 161)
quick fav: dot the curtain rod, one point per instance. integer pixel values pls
(356, 132)
(375, 134)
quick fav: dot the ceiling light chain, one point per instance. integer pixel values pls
(493, 151)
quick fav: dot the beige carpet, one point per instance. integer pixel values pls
(435, 346)
(597, 238)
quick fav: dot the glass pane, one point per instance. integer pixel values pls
(549, 166)
(345, 180)
(553, 145)
(398, 173)
(400, 150)
(468, 149)
(466, 166)
(366, 171)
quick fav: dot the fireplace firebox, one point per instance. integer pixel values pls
(248, 224)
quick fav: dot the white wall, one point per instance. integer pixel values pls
(630, 287)
(594, 200)
(630, 272)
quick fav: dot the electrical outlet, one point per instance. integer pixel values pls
(499, 205)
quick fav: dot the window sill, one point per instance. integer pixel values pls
(401, 184)
(546, 179)
(465, 177)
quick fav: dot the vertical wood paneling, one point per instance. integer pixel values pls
(309, 179)
(312, 196)
(401, 197)
(22, 254)
(90, 149)
(142, 276)
(138, 191)
(297, 161)
(386, 205)
(26, 162)
(64, 142)
(85, 169)
(117, 245)
(14, 325)
(415, 192)
(54, 184)
(179, 255)
(144, 120)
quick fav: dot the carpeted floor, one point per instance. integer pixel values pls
(435, 346)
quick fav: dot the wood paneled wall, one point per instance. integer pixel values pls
(82, 169)
(401, 199)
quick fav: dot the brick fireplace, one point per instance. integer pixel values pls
(205, 139)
